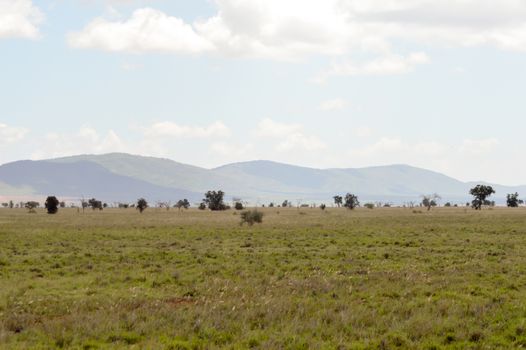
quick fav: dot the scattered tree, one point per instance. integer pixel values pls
(447, 205)
(323, 206)
(369, 205)
(513, 201)
(338, 200)
(214, 200)
(251, 217)
(286, 203)
(182, 204)
(141, 205)
(271, 205)
(238, 206)
(430, 200)
(202, 206)
(52, 204)
(11, 205)
(351, 201)
(31, 206)
(480, 194)
(95, 204)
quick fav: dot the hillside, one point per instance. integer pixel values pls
(117, 176)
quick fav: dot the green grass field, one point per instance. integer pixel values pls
(304, 279)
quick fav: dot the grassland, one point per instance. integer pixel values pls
(304, 279)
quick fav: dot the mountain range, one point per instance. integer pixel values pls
(123, 177)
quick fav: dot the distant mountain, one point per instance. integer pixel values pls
(81, 179)
(124, 177)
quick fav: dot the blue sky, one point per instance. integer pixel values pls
(335, 83)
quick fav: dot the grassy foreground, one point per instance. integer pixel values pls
(304, 279)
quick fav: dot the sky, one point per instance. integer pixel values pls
(319, 83)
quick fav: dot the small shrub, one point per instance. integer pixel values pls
(202, 206)
(323, 206)
(369, 205)
(251, 217)
(238, 206)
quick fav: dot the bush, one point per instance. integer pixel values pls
(52, 204)
(251, 217)
(239, 206)
(323, 206)
(369, 205)
(202, 206)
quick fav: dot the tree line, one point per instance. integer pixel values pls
(215, 201)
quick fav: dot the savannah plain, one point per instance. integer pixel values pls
(389, 278)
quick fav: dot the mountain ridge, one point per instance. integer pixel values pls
(123, 176)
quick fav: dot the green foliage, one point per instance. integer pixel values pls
(95, 204)
(238, 206)
(214, 200)
(52, 205)
(351, 201)
(182, 204)
(513, 201)
(251, 217)
(480, 194)
(141, 205)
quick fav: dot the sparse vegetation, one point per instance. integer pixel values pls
(377, 279)
(251, 217)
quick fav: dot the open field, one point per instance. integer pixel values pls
(367, 279)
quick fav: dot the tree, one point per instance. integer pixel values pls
(142, 204)
(351, 201)
(11, 205)
(202, 206)
(95, 204)
(323, 206)
(286, 204)
(62, 204)
(31, 206)
(238, 206)
(513, 201)
(338, 200)
(214, 200)
(480, 194)
(182, 203)
(52, 204)
(430, 200)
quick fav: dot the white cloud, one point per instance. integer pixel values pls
(288, 29)
(171, 129)
(19, 19)
(388, 65)
(10, 134)
(146, 30)
(289, 136)
(333, 105)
